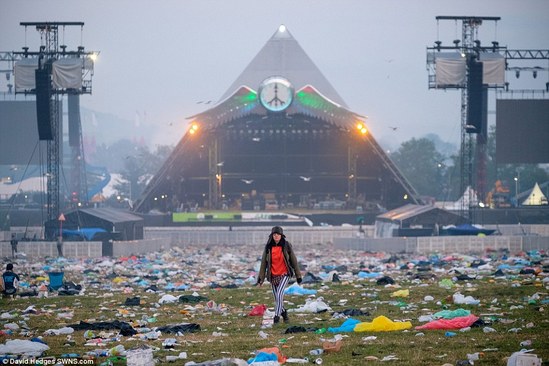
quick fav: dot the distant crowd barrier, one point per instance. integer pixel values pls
(445, 244)
(514, 238)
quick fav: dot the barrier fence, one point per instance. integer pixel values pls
(163, 238)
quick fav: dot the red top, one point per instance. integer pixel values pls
(278, 266)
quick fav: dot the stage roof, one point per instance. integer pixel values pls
(283, 56)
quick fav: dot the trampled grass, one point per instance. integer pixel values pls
(511, 305)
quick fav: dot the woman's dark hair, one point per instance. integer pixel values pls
(9, 267)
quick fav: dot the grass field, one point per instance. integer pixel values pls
(515, 306)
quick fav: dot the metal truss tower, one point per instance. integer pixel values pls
(469, 47)
(49, 52)
(473, 151)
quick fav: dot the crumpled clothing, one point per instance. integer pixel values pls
(180, 328)
(354, 312)
(192, 298)
(125, 328)
(132, 301)
(385, 280)
(299, 329)
(382, 324)
(455, 323)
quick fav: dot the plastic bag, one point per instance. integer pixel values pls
(259, 310)
(454, 323)
(382, 324)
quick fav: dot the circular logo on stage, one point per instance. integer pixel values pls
(276, 93)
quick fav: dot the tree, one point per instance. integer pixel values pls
(422, 165)
(139, 168)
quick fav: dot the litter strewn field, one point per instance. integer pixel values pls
(198, 306)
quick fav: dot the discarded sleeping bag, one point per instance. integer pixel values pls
(382, 324)
(455, 323)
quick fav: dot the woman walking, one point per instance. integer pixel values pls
(278, 266)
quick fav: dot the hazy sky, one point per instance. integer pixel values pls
(159, 58)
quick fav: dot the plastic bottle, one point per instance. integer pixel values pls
(316, 352)
(262, 334)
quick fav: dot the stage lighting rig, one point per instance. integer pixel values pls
(49, 73)
(474, 69)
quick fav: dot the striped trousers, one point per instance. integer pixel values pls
(278, 293)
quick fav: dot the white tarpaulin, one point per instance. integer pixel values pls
(67, 73)
(450, 69)
(493, 68)
(24, 74)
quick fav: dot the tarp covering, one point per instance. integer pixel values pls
(451, 69)
(24, 74)
(493, 68)
(67, 73)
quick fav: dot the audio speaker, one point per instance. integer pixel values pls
(74, 119)
(43, 111)
(476, 99)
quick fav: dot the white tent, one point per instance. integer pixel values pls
(535, 198)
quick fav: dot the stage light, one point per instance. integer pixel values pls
(456, 42)
(495, 46)
(438, 43)
(282, 28)
(517, 74)
(193, 129)
(535, 74)
(93, 56)
(363, 130)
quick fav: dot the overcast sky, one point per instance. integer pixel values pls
(159, 58)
